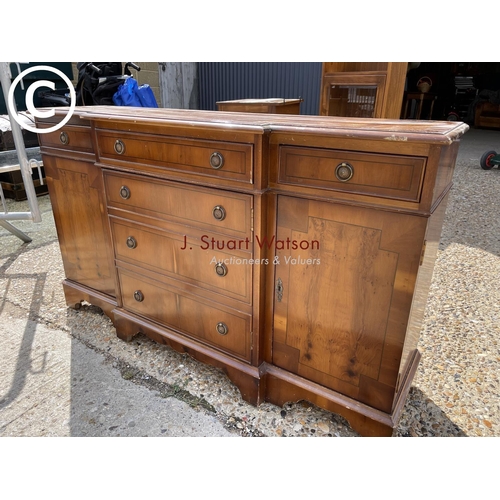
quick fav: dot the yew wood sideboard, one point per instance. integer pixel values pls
(295, 253)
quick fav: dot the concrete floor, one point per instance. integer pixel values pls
(53, 385)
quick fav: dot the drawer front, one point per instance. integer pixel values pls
(184, 259)
(210, 323)
(387, 176)
(215, 159)
(210, 210)
(69, 137)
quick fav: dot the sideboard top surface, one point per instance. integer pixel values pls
(439, 132)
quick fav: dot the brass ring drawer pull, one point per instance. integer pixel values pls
(221, 328)
(131, 242)
(344, 172)
(216, 160)
(139, 296)
(119, 147)
(64, 138)
(219, 212)
(125, 192)
(220, 269)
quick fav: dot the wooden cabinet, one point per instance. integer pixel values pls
(271, 105)
(363, 90)
(294, 253)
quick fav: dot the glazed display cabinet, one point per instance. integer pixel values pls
(295, 253)
(362, 89)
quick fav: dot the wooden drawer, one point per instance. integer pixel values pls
(185, 259)
(211, 210)
(206, 321)
(211, 158)
(69, 137)
(387, 176)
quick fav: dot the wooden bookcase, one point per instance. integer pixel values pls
(363, 90)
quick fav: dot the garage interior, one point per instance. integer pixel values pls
(459, 88)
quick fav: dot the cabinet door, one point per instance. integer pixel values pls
(344, 286)
(76, 192)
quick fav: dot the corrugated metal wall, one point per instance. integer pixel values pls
(258, 80)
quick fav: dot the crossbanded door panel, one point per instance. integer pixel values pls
(78, 205)
(344, 280)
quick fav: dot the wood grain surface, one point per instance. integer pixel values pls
(296, 282)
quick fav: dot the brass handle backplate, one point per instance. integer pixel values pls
(64, 138)
(344, 172)
(220, 269)
(139, 296)
(119, 147)
(219, 212)
(279, 289)
(125, 192)
(216, 160)
(221, 328)
(131, 242)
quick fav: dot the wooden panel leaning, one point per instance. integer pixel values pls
(301, 268)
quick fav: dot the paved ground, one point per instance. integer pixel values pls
(57, 386)
(64, 372)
